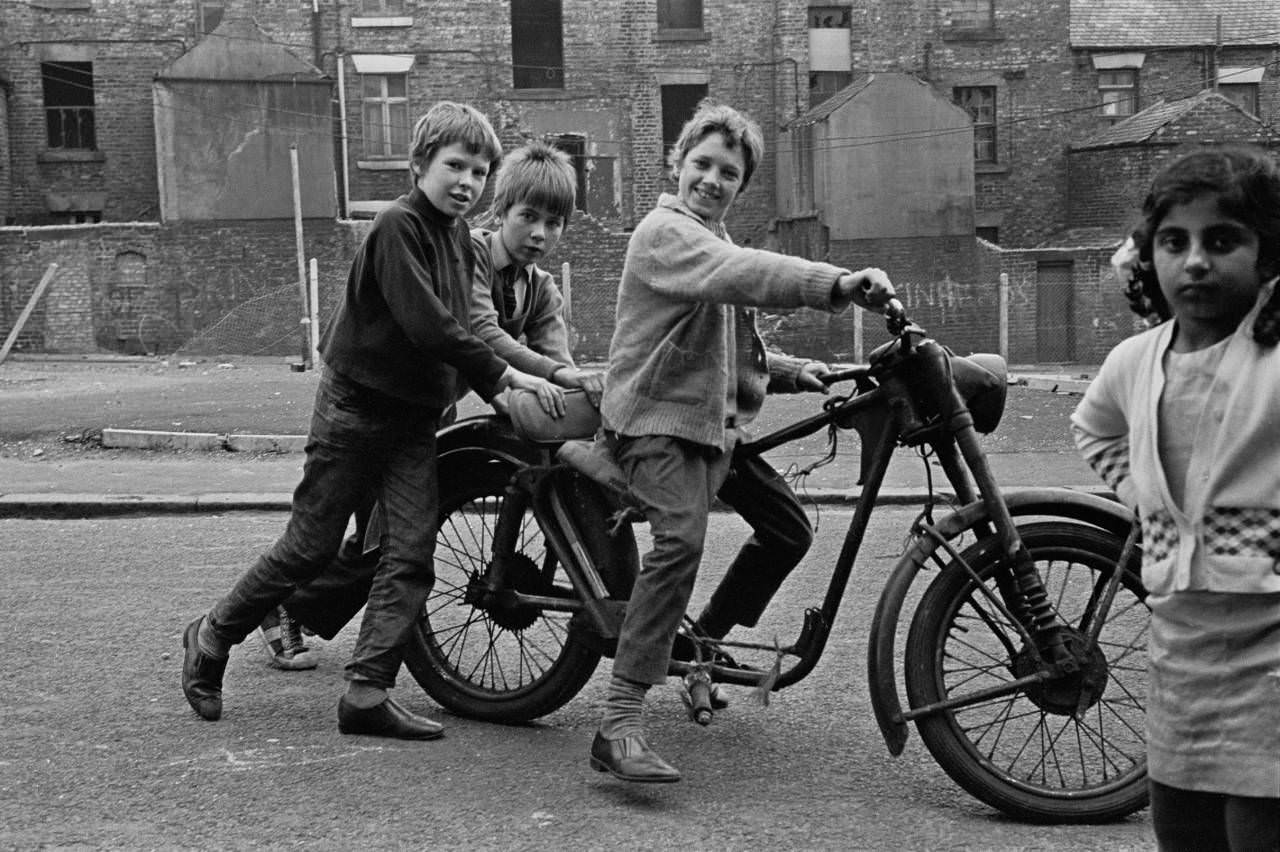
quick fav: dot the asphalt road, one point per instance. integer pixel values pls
(98, 749)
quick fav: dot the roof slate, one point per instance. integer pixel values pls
(1142, 126)
(1172, 23)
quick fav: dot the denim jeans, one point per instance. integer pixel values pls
(361, 445)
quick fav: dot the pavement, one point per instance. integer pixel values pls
(149, 471)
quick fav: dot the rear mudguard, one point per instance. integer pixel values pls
(1051, 502)
(464, 449)
(490, 433)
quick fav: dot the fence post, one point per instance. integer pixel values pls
(857, 335)
(302, 260)
(1004, 316)
(313, 314)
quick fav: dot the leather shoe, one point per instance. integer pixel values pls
(387, 719)
(201, 675)
(631, 759)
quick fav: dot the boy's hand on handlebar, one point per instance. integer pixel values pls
(550, 396)
(869, 288)
(591, 381)
(810, 377)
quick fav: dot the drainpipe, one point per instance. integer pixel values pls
(342, 124)
(315, 32)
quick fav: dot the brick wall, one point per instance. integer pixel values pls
(232, 288)
(148, 287)
(128, 42)
(1108, 184)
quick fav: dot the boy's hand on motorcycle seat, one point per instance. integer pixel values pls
(550, 396)
(591, 381)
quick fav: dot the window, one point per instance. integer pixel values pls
(575, 145)
(210, 15)
(77, 217)
(68, 104)
(830, 59)
(1243, 95)
(679, 103)
(830, 17)
(385, 115)
(1118, 91)
(380, 8)
(1240, 86)
(980, 103)
(972, 15)
(991, 235)
(824, 84)
(537, 44)
(679, 15)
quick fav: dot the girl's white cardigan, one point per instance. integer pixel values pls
(1227, 536)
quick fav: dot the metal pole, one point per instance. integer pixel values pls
(313, 315)
(302, 260)
(1003, 313)
(857, 335)
(566, 290)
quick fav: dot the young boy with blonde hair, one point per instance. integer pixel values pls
(514, 300)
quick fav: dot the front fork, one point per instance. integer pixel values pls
(1022, 589)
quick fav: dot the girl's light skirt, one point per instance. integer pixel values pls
(1213, 702)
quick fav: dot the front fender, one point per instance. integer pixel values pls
(1061, 503)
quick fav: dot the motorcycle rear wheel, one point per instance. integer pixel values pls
(492, 664)
(1070, 750)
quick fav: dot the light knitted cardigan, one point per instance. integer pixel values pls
(1226, 538)
(685, 352)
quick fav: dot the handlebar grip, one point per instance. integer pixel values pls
(895, 316)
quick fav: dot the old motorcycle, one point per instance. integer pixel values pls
(1024, 662)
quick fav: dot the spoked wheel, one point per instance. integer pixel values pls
(1067, 750)
(482, 655)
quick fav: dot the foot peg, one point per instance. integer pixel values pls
(697, 696)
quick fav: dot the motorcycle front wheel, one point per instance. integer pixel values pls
(1067, 750)
(494, 662)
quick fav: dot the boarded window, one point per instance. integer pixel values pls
(537, 44)
(679, 103)
(679, 14)
(68, 105)
(972, 14)
(210, 15)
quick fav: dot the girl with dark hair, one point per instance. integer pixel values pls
(1182, 421)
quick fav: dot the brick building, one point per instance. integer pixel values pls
(101, 120)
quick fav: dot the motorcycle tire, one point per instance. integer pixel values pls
(494, 665)
(1068, 750)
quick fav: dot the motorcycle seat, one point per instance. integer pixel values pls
(581, 419)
